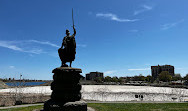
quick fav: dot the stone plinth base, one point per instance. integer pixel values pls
(65, 85)
(51, 105)
(66, 93)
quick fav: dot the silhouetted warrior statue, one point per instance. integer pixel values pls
(66, 87)
(68, 49)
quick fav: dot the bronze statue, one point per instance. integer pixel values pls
(66, 87)
(68, 49)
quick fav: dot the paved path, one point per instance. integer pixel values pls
(18, 106)
(90, 109)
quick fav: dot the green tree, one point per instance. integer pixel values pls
(148, 78)
(176, 77)
(114, 79)
(99, 80)
(186, 79)
(135, 78)
(165, 76)
(121, 80)
(127, 79)
(139, 78)
(107, 79)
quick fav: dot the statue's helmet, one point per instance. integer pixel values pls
(67, 31)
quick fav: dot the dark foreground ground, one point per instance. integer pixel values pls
(121, 107)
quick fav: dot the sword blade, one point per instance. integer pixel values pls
(72, 18)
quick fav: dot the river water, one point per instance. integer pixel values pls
(24, 83)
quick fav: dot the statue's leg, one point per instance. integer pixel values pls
(70, 63)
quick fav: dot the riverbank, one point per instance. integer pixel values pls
(3, 85)
(111, 93)
(11, 99)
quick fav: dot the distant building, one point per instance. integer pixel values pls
(156, 70)
(93, 75)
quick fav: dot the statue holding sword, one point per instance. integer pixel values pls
(68, 49)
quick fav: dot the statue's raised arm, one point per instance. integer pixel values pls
(74, 31)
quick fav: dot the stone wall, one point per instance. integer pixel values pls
(124, 96)
(10, 99)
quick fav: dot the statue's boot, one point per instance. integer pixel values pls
(64, 65)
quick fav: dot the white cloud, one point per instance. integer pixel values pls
(53, 45)
(44, 43)
(109, 72)
(144, 9)
(14, 46)
(8, 44)
(142, 69)
(29, 46)
(34, 51)
(147, 7)
(11, 67)
(170, 25)
(114, 17)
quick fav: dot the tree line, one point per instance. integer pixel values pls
(163, 76)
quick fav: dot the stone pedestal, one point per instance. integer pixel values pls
(65, 91)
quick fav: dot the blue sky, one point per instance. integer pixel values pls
(117, 37)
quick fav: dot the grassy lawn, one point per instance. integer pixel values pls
(30, 108)
(122, 107)
(139, 106)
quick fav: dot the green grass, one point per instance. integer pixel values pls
(30, 108)
(122, 107)
(139, 106)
